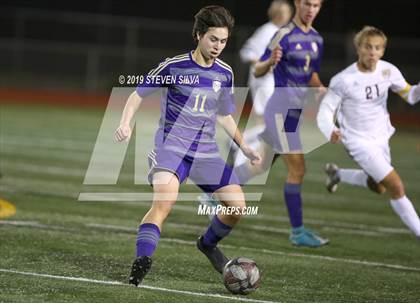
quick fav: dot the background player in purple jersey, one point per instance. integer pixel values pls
(294, 55)
(184, 143)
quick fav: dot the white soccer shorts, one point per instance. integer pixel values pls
(374, 157)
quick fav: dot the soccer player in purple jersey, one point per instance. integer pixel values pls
(294, 55)
(184, 142)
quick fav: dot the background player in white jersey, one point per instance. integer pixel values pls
(279, 14)
(360, 93)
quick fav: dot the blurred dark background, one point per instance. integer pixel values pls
(86, 45)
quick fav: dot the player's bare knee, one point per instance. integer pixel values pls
(236, 217)
(395, 187)
(296, 175)
(381, 189)
(162, 208)
(397, 191)
(375, 187)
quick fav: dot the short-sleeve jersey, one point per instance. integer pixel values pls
(363, 110)
(302, 52)
(192, 97)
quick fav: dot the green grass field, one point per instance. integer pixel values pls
(58, 249)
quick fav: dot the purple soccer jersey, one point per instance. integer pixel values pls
(301, 58)
(191, 99)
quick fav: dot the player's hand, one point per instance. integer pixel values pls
(123, 133)
(276, 55)
(417, 91)
(252, 155)
(335, 136)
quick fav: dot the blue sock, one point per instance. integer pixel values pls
(293, 201)
(147, 239)
(216, 231)
(243, 173)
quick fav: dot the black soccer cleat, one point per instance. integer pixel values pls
(333, 178)
(140, 268)
(214, 254)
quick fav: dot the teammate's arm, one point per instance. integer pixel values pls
(231, 128)
(315, 81)
(123, 132)
(263, 67)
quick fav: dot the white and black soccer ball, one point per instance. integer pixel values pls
(241, 276)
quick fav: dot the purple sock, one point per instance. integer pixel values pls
(215, 232)
(293, 201)
(147, 239)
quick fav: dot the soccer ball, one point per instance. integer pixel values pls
(241, 276)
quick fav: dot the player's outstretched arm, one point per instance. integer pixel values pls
(412, 94)
(123, 132)
(231, 128)
(325, 117)
(263, 67)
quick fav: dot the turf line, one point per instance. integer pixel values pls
(117, 283)
(259, 250)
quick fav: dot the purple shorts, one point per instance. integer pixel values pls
(282, 118)
(210, 174)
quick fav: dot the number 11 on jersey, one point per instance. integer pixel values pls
(197, 101)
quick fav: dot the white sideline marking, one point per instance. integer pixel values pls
(267, 251)
(184, 292)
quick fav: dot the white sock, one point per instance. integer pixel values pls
(353, 176)
(405, 210)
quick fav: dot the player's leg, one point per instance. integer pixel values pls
(402, 205)
(300, 236)
(165, 193)
(375, 159)
(370, 156)
(214, 176)
(167, 171)
(165, 188)
(245, 172)
(355, 177)
(221, 225)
